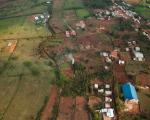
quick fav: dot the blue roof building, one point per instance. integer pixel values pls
(129, 91)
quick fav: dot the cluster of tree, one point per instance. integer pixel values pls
(105, 75)
(78, 85)
(124, 25)
(99, 3)
(118, 97)
(145, 44)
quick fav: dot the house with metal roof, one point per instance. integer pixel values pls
(129, 92)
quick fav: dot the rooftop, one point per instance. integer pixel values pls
(129, 91)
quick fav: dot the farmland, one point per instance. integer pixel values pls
(68, 59)
(143, 11)
(22, 8)
(24, 79)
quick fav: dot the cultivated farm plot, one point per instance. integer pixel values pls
(24, 83)
(78, 7)
(25, 79)
(143, 11)
(144, 96)
(25, 98)
(73, 4)
(82, 13)
(22, 27)
(21, 8)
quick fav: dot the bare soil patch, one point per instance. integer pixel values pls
(144, 79)
(119, 73)
(47, 113)
(66, 108)
(81, 110)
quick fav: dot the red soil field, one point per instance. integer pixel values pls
(47, 113)
(81, 112)
(119, 73)
(66, 108)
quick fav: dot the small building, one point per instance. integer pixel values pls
(109, 112)
(137, 49)
(107, 86)
(138, 56)
(129, 92)
(108, 93)
(121, 62)
(67, 34)
(108, 99)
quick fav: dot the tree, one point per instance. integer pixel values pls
(100, 3)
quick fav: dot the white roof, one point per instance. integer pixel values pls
(138, 54)
(110, 112)
(42, 16)
(96, 85)
(137, 48)
(108, 99)
(108, 92)
(36, 18)
(107, 86)
(100, 90)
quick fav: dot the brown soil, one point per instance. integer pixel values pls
(47, 113)
(81, 110)
(144, 79)
(132, 106)
(93, 100)
(119, 73)
(66, 108)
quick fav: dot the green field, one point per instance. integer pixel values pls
(73, 4)
(79, 10)
(25, 7)
(25, 80)
(82, 13)
(144, 97)
(21, 27)
(143, 11)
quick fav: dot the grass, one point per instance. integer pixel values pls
(28, 98)
(143, 11)
(5, 24)
(26, 95)
(14, 8)
(21, 27)
(134, 68)
(97, 116)
(22, 97)
(82, 13)
(144, 97)
(73, 4)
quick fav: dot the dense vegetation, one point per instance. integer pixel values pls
(99, 3)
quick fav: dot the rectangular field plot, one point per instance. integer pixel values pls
(73, 4)
(82, 13)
